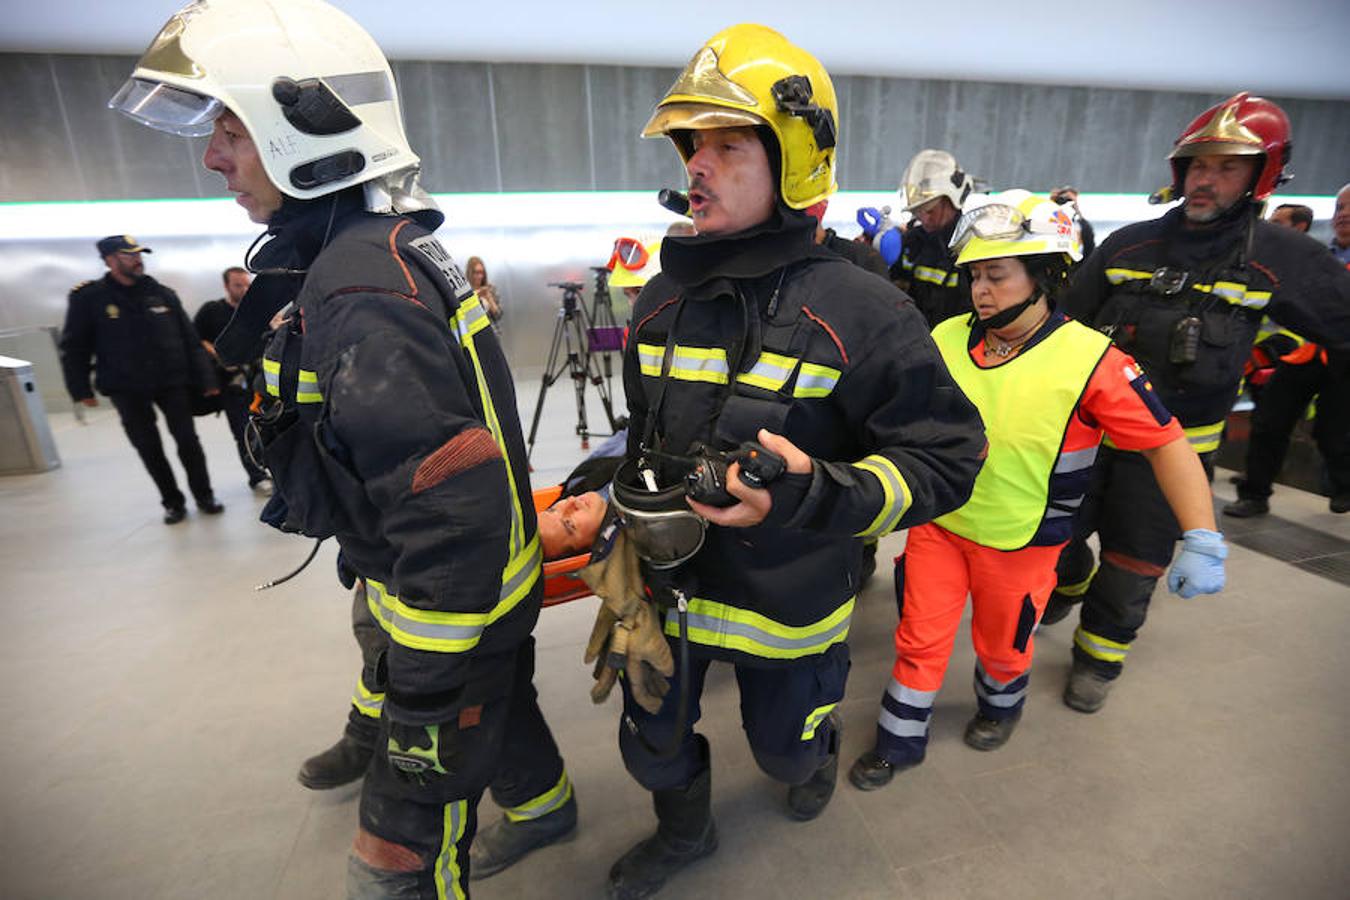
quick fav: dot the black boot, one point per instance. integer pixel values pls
(872, 771)
(808, 800)
(990, 734)
(1058, 607)
(340, 764)
(684, 833)
(1247, 507)
(502, 843)
(1086, 690)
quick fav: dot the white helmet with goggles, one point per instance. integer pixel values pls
(1016, 223)
(932, 174)
(313, 89)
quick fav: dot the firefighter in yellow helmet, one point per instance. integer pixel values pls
(753, 332)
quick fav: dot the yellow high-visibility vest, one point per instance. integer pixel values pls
(1027, 404)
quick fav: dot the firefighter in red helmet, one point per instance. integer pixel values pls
(1184, 295)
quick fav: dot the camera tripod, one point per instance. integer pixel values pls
(604, 336)
(570, 354)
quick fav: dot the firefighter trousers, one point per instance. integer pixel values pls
(1281, 405)
(784, 711)
(1008, 592)
(414, 839)
(1126, 509)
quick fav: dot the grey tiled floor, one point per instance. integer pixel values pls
(156, 709)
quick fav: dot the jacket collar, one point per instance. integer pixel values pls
(701, 265)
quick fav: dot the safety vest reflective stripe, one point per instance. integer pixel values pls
(448, 864)
(1076, 460)
(714, 624)
(453, 632)
(1205, 438)
(468, 321)
(649, 359)
(940, 277)
(554, 798)
(272, 375)
(996, 694)
(307, 387)
(708, 364)
(815, 381)
(770, 372)
(1098, 647)
(367, 702)
(1230, 291)
(896, 494)
(814, 718)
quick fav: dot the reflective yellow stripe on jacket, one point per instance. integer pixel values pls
(714, 624)
(453, 632)
(1229, 291)
(1202, 438)
(895, 491)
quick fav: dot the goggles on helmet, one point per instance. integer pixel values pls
(665, 532)
(997, 222)
(167, 108)
(628, 253)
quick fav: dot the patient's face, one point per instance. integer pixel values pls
(569, 526)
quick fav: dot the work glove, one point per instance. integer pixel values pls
(1199, 568)
(416, 753)
(637, 647)
(616, 577)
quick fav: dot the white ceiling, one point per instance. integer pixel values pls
(1292, 48)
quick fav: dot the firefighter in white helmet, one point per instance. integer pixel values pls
(391, 425)
(933, 191)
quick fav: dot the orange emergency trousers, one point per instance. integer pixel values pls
(1009, 588)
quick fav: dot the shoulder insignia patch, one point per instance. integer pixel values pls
(434, 251)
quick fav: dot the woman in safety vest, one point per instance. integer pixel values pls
(1048, 388)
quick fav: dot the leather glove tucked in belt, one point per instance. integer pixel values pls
(637, 647)
(416, 752)
(1199, 568)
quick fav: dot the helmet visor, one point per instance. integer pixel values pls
(167, 108)
(993, 222)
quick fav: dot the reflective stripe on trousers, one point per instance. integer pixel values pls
(554, 798)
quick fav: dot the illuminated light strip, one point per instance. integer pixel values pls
(629, 212)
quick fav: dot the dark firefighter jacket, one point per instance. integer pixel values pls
(399, 436)
(138, 338)
(1156, 287)
(928, 270)
(766, 330)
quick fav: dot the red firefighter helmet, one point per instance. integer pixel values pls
(1242, 125)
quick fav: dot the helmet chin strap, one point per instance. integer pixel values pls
(1009, 315)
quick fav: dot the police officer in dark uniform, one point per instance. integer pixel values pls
(134, 332)
(933, 190)
(392, 425)
(753, 331)
(1185, 295)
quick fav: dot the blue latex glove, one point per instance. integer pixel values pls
(1199, 568)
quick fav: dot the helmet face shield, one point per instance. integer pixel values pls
(1016, 223)
(167, 108)
(932, 174)
(665, 532)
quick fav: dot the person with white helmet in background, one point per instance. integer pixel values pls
(752, 332)
(933, 190)
(392, 420)
(1048, 390)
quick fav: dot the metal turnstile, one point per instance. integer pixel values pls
(26, 443)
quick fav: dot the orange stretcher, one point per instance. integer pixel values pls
(561, 581)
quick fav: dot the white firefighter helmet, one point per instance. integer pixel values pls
(932, 174)
(313, 89)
